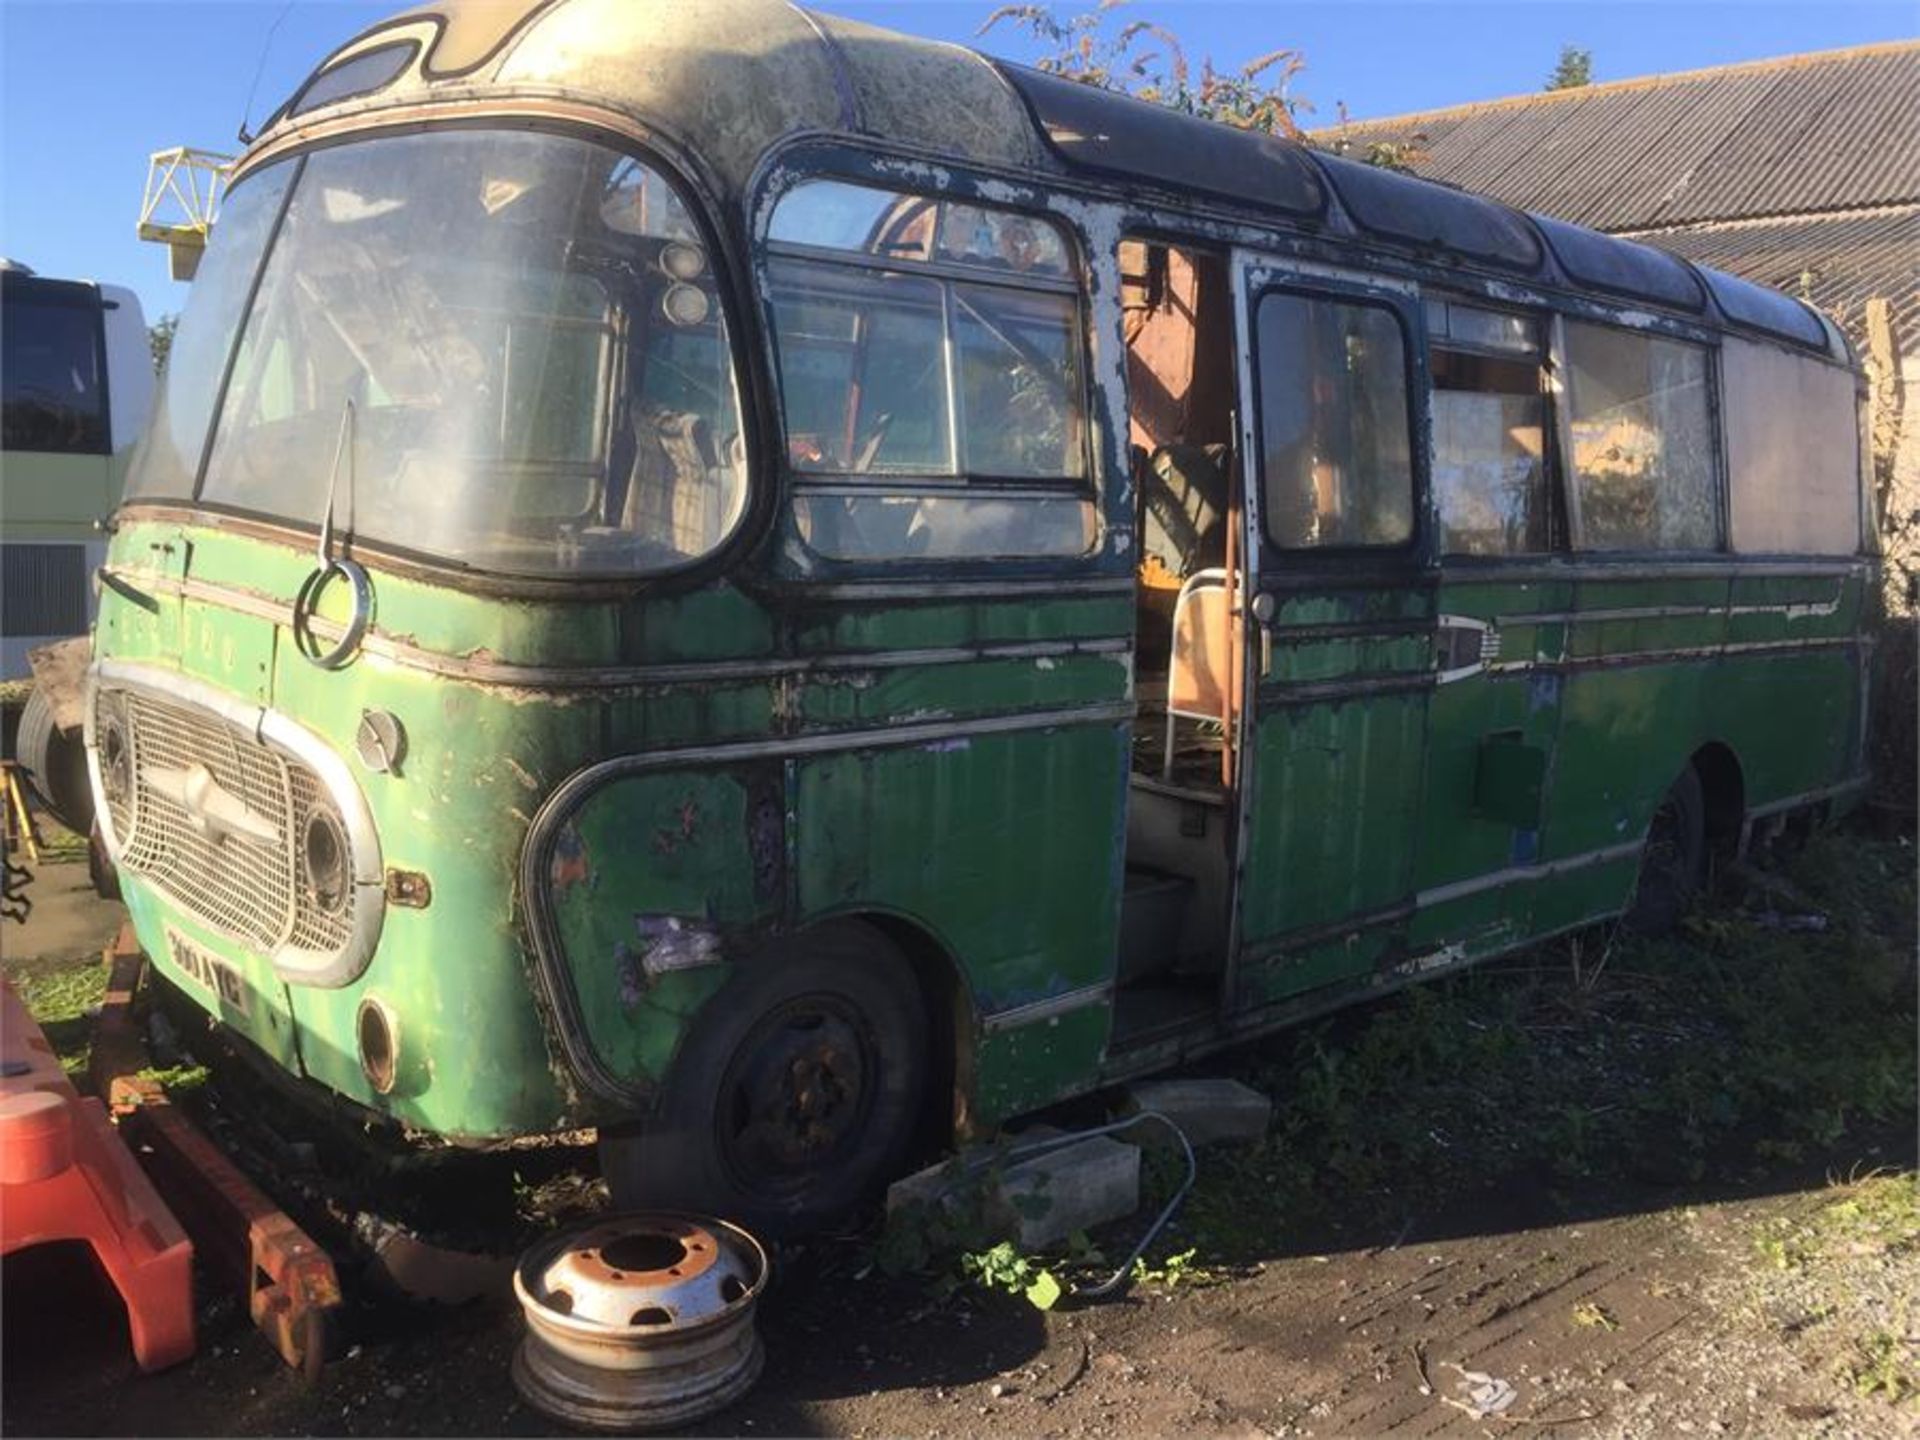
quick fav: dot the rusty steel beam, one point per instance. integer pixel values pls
(291, 1287)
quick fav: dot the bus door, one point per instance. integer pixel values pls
(1341, 629)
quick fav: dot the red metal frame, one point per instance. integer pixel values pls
(292, 1290)
(66, 1175)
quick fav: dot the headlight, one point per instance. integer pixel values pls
(326, 869)
(116, 754)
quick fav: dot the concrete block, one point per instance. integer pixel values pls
(1205, 1110)
(1081, 1185)
(924, 1187)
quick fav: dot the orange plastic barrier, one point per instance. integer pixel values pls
(64, 1175)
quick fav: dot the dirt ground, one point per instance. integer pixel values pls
(1700, 1308)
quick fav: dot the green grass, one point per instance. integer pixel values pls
(63, 999)
(1840, 1278)
(1725, 1051)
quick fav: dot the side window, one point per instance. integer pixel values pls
(1793, 452)
(932, 377)
(1489, 430)
(1336, 455)
(1643, 465)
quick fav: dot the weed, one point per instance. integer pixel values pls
(177, 1079)
(1002, 1267)
(1882, 1363)
(1173, 1272)
(63, 1000)
(951, 1238)
(1591, 1315)
(1599, 1058)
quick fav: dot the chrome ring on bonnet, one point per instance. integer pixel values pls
(309, 597)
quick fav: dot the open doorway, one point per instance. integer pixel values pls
(1183, 431)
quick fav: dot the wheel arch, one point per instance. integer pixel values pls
(951, 1014)
(1723, 787)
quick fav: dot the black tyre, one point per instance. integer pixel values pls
(1673, 865)
(100, 868)
(795, 1097)
(56, 764)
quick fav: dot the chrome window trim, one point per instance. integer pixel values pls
(270, 728)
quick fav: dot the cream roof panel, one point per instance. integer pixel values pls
(726, 77)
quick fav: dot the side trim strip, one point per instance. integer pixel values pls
(1801, 611)
(1662, 657)
(1279, 695)
(1514, 874)
(1048, 1009)
(1806, 797)
(547, 677)
(1679, 569)
(1281, 946)
(827, 742)
(961, 589)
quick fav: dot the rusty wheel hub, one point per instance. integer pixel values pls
(797, 1096)
(639, 1322)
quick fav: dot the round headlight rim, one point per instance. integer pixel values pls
(324, 823)
(115, 750)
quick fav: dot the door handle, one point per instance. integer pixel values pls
(1265, 609)
(1464, 646)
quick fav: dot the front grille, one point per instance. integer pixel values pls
(231, 862)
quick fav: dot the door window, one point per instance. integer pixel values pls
(1336, 453)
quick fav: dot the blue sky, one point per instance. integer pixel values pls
(87, 89)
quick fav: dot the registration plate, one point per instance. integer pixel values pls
(216, 977)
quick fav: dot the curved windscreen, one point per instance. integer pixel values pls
(505, 350)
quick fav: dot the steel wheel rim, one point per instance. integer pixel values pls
(797, 1096)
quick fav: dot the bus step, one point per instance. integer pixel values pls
(1153, 913)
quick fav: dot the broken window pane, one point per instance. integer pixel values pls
(1643, 453)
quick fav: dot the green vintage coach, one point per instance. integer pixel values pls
(785, 593)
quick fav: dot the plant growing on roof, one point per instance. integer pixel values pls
(1148, 61)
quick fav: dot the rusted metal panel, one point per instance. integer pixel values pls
(291, 1289)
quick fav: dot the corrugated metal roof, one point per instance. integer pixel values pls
(1798, 135)
(1839, 262)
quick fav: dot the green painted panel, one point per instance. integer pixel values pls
(234, 652)
(657, 872)
(1334, 606)
(662, 716)
(1324, 963)
(1022, 1069)
(820, 628)
(1572, 897)
(1335, 806)
(1625, 734)
(1303, 658)
(147, 628)
(1474, 924)
(907, 694)
(717, 621)
(1005, 848)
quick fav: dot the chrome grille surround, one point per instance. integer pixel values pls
(213, 818)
